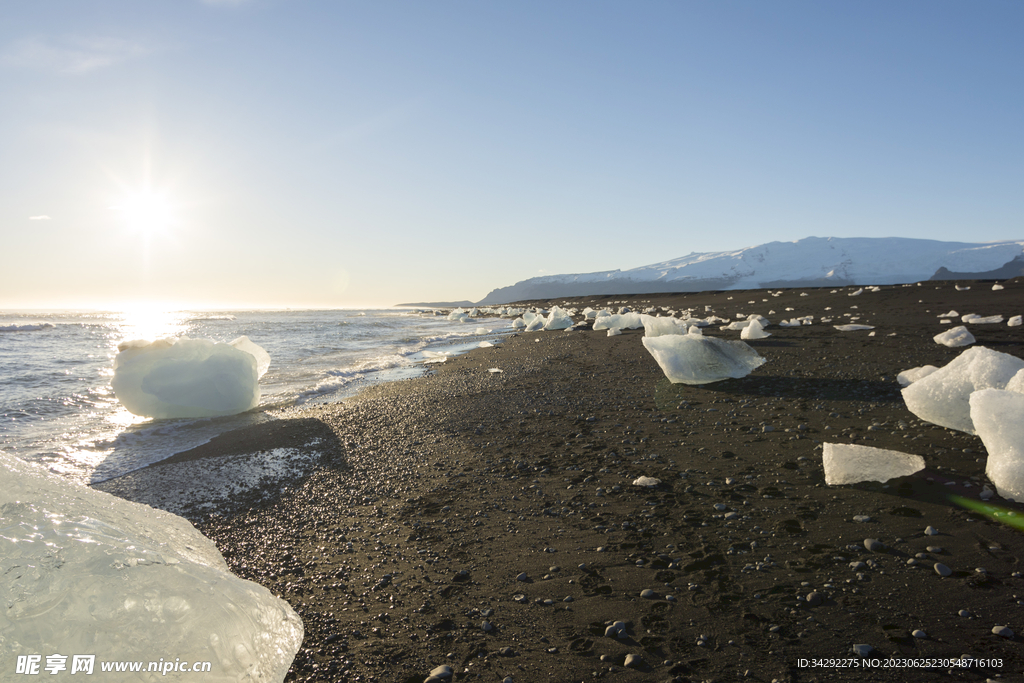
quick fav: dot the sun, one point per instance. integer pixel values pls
(146, 211)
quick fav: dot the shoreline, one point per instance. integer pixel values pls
(401, 541)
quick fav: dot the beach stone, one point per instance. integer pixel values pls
(918, 633)
(874, 545)
(633, 661)
(964, 613)
(931, 531)
(862, 649)
(861, 518)
(616, 630)
(814, 598)
(1003, 631)
(487, 627)
(508, 679)
(934, 549)
(523, 577)
(942, 570)
(648, 594)
(444, 671)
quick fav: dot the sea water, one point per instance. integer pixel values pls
(57, 407)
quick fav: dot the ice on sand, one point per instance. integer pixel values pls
(908, 377)
(693, 359)
(656, 327)
(623, 321)
(755, 330)
(171, 378)
(958, 336)
(557, 319)
(849, 464)
(853, 328)
(998, 416)
(87, 572)
(942, 397)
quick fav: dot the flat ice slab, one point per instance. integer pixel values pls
(998, 416)
(89, 573)
(942, 397)
(849, 464)
(696, 359)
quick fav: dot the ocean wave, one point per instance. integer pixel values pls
(31, 327)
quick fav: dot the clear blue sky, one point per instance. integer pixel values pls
(339, 153)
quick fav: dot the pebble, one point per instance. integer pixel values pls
(487, 627)
(1003, 631)
(874, 545)
(942, 570)
(523, 577)
(931, 531)
(934, 549)
(633, 661)
(861, 518)
(648, 593)
(814, 598)
(862, 649)
(918, 633)
(508, 679)
(616, 630)
(443, 671)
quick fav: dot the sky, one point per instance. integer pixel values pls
(287, 153)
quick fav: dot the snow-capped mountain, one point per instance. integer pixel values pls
(810, 262)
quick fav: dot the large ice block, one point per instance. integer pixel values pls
(85, 572)
(942, 397)
(954, 337)
(696, 359)
(183, 377)
(998, 416)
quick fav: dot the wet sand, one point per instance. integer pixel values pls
(488, 520)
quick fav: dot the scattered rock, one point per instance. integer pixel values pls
(874, 545)
(633, 661)
(1003, 631)
(862, 649)
(942, 570)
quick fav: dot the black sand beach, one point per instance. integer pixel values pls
(488, 521)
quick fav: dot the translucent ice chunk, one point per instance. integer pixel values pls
(656, 327)
(755, 330)
(942, 397)
(849, 464)
(999, 418)
(87, 572)
(692, 359)
(183, 377)
(908, 377)
(975, 319)
(557, 319)
(853, 328)
(623, 321)
(1015, 321)
(957, 336)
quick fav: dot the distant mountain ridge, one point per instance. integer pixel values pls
(809, 262)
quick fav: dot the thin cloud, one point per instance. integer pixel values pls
(39, 218)
(70, 55)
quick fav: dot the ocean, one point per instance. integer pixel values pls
(57, 407)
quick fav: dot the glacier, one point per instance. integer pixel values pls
(188, 378)
(87, 572)
(809, 262)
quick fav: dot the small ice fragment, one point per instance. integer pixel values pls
(484, 345)
(495, 370)
(646, 481)
(853, 328)
(1015, 321)
(849, 464)
(689, 359)
(951, 314)
(996, 287)
(614, 331)
(942, 397)
(958, 336)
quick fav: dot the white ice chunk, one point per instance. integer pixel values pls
(999, 418)
(957, 336)
(172, 378)
(623, 321)
(942, 397)
(975, 319)
(1015, 321)
(1016, 383)
(614, 331)
(484, 345)
(459, 315)
(557, 319)
(518, 324)
(849, 464)
(533, 321)
(692, 359)
(853, 328)
(996, 287)
(481, 330)
(656, 327)
(86, 572)
(755, 330)
(951, 314)
(908, 377)
(646, 481)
